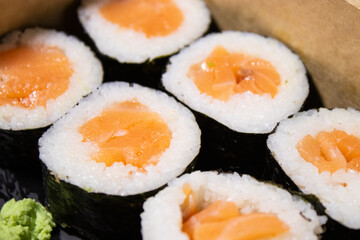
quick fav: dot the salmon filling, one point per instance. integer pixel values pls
(152, 17)
(222, 220)
(331, 151)
(127, 132)
(30, 76)
(224, 74)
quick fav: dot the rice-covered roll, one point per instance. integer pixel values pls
(134, 31)
(208, 205)
(245, 81)
(44, 73)
(320, 151)
(110, 152)
(237, 83)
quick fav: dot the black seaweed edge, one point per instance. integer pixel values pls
(71, 205)
(209, 151)
(19, 148)
(332, 229)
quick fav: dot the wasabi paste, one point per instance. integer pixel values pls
(25, 220)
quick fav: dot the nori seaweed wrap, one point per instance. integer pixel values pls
(240, 85)
(133, 39)
(120, 145)
(317, 150)
(44, 73)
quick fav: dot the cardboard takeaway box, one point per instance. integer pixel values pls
(325, 33)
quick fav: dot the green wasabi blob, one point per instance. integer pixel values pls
(25, 220)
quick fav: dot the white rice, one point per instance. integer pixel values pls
(342, 203)
(87, 76)
(69, 159)
(246, 112)
(162, 217)
(129, 46)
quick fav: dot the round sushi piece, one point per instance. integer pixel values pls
(320, 151)
(134, 31)
(111, 151)
(44, 73)
(75, 148)
(209, 205)
(247, 82)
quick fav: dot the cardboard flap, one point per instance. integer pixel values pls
(16, 14)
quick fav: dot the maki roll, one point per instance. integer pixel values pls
(44, 73)
(320, 151)
(245, 84)
(208, 205)
(245, 81)
(134, 31)
(117, 147)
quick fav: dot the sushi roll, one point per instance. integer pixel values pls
(44, 73)
(107, 155)
(320, 151)
(241, 85)
(135, 31)
(208, 205)
(242, 80)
